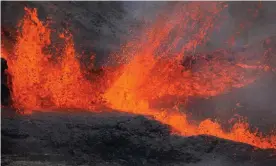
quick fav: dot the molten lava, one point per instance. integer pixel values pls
(47, 83)
(50, 81)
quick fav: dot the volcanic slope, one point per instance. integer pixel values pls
(85, 138)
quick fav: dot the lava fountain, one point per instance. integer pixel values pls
(47, 80)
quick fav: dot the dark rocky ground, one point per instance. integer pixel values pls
(82, 138)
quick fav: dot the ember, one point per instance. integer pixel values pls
(42, 81)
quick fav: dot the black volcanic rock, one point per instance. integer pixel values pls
(113, 138)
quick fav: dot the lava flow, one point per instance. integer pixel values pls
(45, 80)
